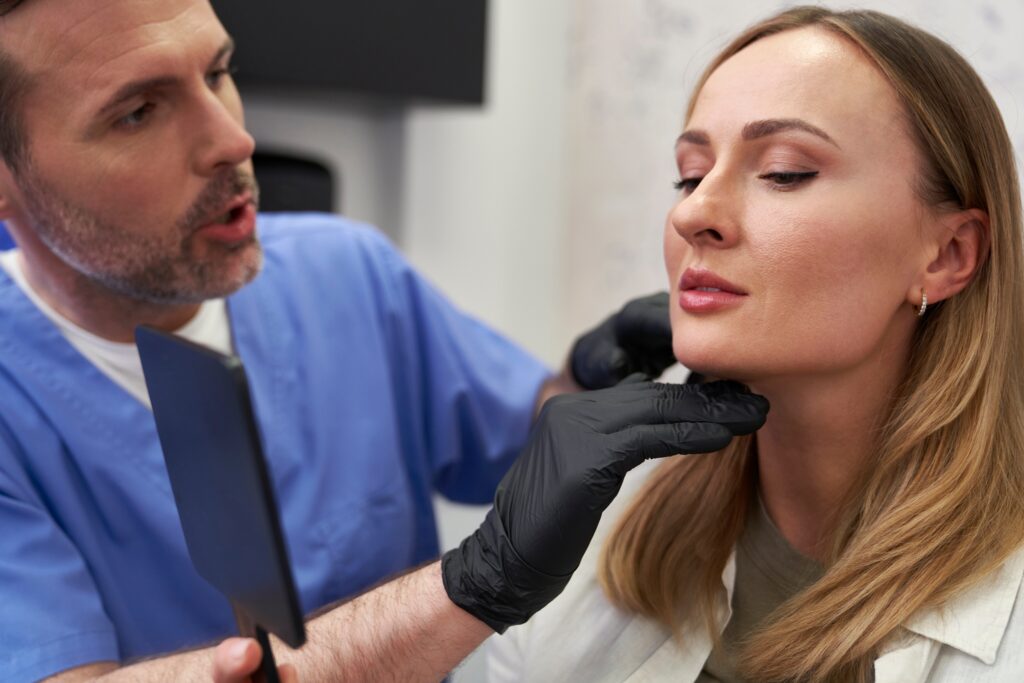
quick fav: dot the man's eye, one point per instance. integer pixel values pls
(215, 77)
(137, 118)
(788, 180)
(687, 185)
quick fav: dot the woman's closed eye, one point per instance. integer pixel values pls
(781, 180)
(787, 180)
(687, 185)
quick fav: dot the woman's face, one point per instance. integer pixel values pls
(796, 242)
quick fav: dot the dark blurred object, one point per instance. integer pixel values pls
(407, 48)
(290, 183)
(5, 238)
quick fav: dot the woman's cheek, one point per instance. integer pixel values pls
(673, 249)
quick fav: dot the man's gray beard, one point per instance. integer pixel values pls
(140, 267)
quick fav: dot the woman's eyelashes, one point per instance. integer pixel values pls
(788, 180)
(781, 180)
(686, 185)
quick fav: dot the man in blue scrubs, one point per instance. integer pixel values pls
(127, 185)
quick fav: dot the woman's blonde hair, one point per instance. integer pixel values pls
(941, 504)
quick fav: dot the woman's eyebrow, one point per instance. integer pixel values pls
(760, 129)
(694, 137)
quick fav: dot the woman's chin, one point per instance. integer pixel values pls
(717, 366)
(714, 373)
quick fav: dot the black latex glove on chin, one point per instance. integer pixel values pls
(549, 503)
(636, 339)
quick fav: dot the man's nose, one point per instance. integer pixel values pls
(224, 141)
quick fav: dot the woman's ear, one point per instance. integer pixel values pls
(962, 245)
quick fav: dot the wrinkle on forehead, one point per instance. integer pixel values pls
(88, 34)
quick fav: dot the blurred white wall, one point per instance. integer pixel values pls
(361, 141)
(485, 189)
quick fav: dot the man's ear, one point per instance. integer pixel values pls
(8, 189)
(962, 245)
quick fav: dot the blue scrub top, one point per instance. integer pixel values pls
(6, 242)
(371, 392)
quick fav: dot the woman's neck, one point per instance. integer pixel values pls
(819, 435)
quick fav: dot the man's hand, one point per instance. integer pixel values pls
(236, 659)
(548, 506)
(636, 339)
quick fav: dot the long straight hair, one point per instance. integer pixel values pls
(941, 504)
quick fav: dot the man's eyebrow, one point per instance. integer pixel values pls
(134, 88)
(226, 48)
(760, 129)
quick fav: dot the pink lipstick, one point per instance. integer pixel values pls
(701, 291)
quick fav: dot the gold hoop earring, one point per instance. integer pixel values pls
(924, 304)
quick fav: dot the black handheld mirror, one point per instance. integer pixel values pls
(221, 486)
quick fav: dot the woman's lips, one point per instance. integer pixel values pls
(701, 291)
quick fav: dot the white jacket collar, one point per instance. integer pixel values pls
(975, 621)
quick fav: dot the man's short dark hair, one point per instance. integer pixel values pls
(13, 84)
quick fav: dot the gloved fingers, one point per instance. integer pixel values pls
(646, 403)
(643, 442)
(637, 338)
(654, 363)
(730, 404)
(598, 361)
(645, 317)
(644, 329)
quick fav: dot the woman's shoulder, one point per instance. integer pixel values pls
(581, 635)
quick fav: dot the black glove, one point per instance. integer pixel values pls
(549, 503)
(636, 339)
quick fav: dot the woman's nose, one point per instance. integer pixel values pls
(707, 216)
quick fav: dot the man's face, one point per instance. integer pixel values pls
(139, 173)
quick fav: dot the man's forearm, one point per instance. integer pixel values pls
(405, 630)
(194, 665)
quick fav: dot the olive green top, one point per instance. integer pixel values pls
(769, 571)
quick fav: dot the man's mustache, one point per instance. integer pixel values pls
(211, 201)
